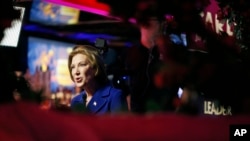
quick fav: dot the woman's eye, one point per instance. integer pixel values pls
(82, 64)
(72, 67)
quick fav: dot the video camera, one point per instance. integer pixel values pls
(101, 45)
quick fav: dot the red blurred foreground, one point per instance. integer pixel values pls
(26, 122)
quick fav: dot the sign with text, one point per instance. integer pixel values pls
(210, 17)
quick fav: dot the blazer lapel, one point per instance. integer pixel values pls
(98, 100)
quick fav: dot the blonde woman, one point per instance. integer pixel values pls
(88, 72)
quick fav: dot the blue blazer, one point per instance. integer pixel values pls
(105, 100)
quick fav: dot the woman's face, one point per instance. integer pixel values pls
(81, 70)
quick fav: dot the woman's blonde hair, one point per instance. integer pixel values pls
(95, 59)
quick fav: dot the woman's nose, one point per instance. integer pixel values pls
(77, 72)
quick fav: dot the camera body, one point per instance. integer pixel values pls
(101, 45)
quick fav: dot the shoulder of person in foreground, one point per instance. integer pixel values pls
(26, 121)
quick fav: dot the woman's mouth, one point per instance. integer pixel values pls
(78, 80)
